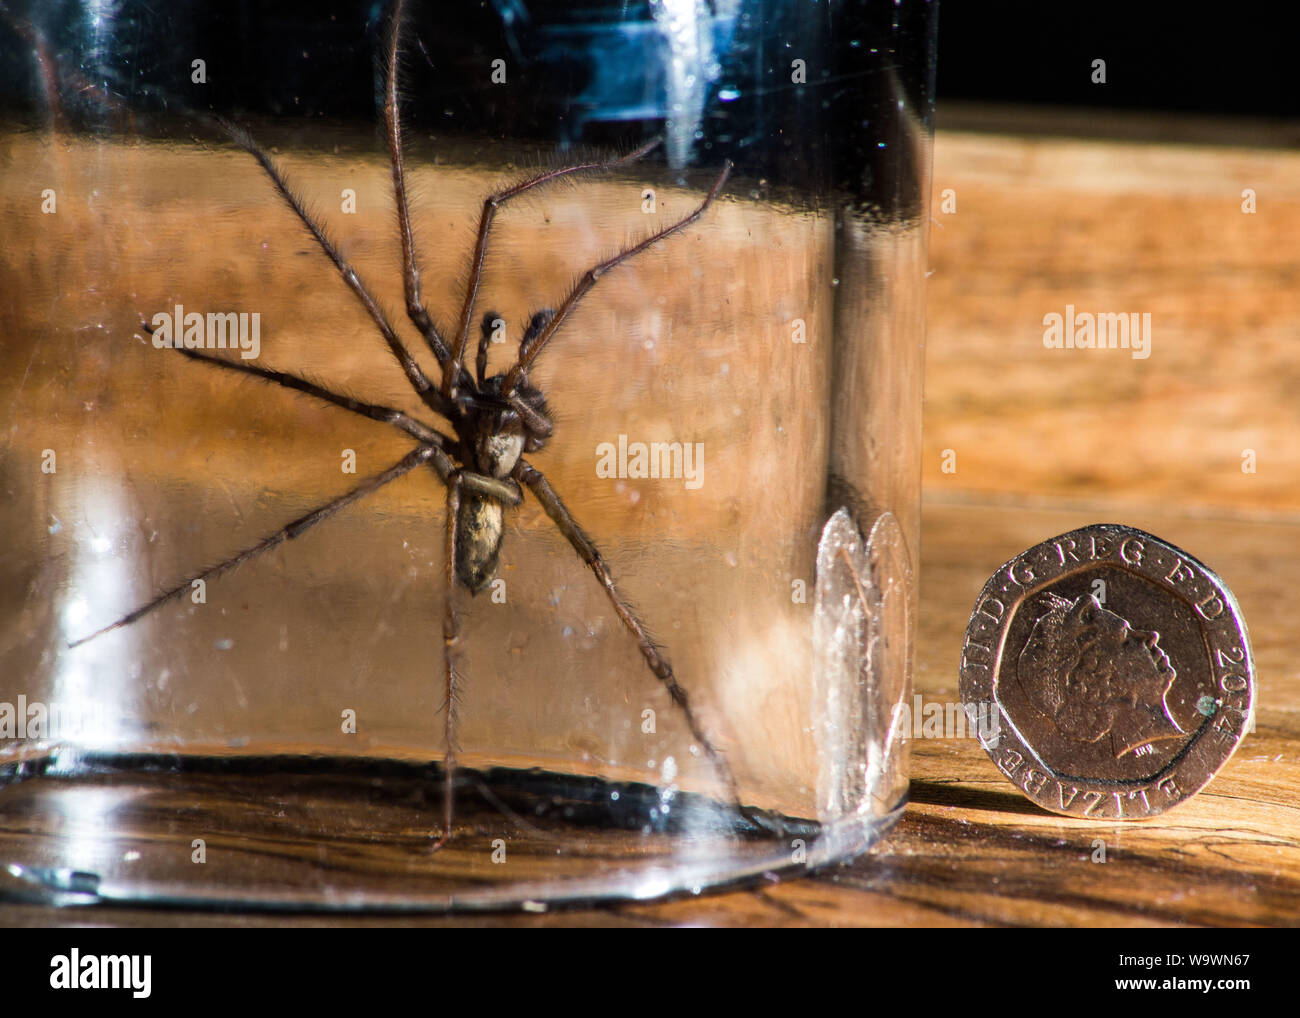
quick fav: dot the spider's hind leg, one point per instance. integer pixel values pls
(450, 637)
(555, 508)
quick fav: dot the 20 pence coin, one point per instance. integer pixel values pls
(1116, 670)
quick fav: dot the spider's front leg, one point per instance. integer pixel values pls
(450, 357)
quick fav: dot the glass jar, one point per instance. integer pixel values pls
(733, 416)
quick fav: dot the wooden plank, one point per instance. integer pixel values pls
(1122, 227)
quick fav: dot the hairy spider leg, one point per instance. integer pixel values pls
(430, 453)
(490, 205)
(450, 637)
(426, 390)
(535, 481)
(400, 419)
(452, 364)
(484, 340)
(589, 278)
(415, 309)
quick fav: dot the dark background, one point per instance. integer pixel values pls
(1241, 58)
(1226, 59)
(586, 73)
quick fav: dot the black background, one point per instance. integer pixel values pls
(1242, 58)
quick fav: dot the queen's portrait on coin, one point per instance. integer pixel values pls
(1097, 677)
(1100, 715)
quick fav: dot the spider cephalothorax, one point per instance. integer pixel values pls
(495, 429)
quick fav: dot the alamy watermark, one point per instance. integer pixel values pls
(1103, 330)
(50, 720)
(77, 971)
(948, 720)
(662, 460)
(217, 330)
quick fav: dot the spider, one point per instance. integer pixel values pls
(493, 421)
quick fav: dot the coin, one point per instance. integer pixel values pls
(1114, 670)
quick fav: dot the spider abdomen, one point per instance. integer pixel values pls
(479, 530)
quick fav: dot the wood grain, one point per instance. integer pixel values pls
(1115, 227)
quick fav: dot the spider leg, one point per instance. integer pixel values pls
(398, 418)
(537, 483)
(506, 492)
(414, 373)
(537, 423)
(527, 356)
(453, 373)
(490, 205)
(418, 455)
(450, 637)
(415, 309)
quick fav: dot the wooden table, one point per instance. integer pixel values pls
(1046, 440)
